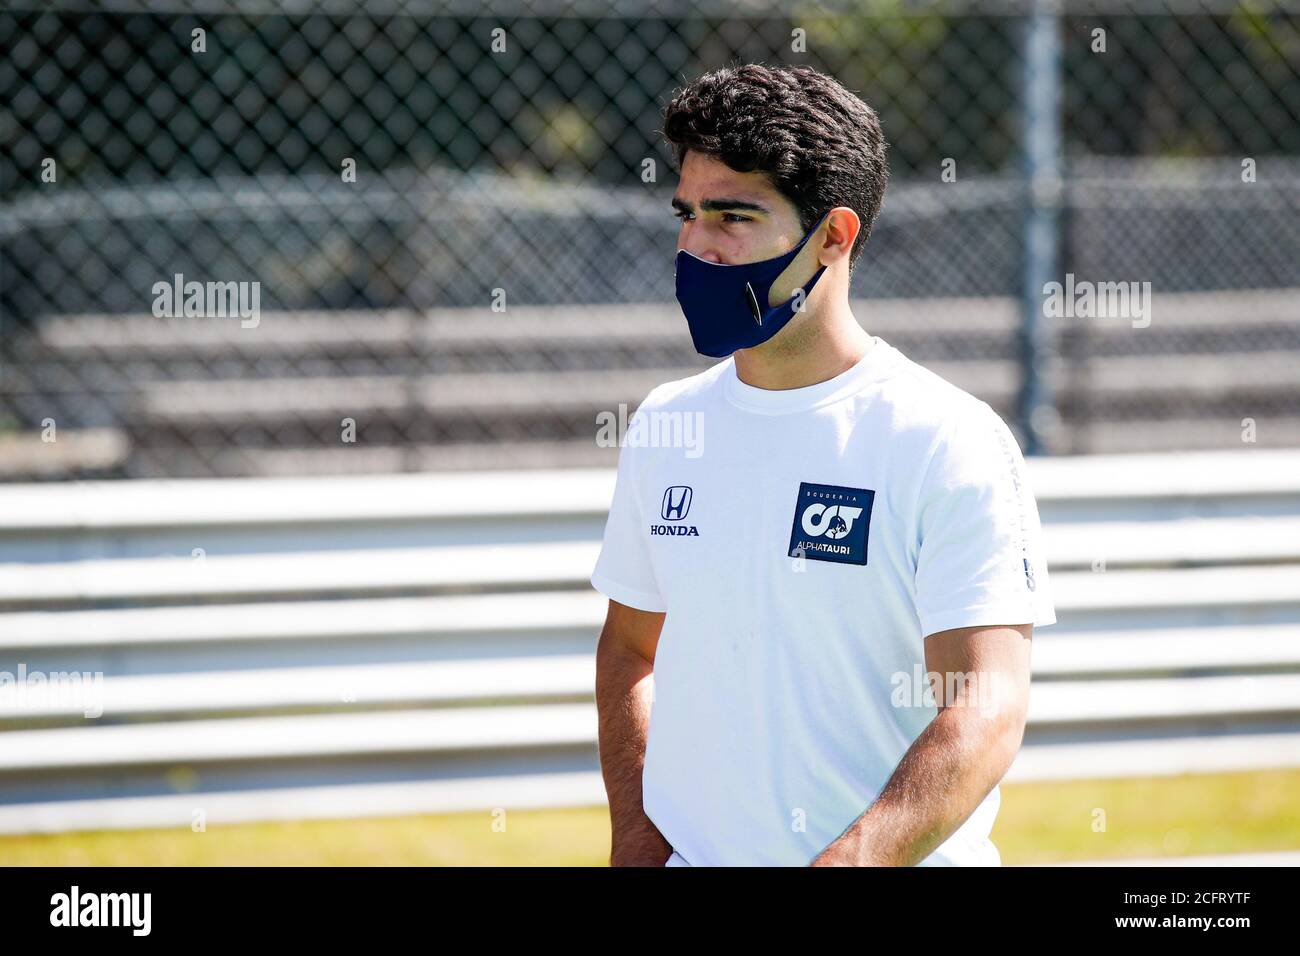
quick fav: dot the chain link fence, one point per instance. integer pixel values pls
(380, 180)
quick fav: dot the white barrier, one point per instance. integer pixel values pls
(258, 680)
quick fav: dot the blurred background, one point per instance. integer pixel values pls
(313, 587)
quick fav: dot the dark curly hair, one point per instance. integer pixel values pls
(820, 145)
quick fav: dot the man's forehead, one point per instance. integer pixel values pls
(707, 179)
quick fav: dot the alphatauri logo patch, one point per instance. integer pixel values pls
(831, 523)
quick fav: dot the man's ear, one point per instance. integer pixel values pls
(802, 268)
(841, 229)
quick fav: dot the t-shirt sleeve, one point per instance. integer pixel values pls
(623, 569)
(980, 559)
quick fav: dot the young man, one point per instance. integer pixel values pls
(849, 525)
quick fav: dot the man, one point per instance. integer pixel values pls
(849, 525)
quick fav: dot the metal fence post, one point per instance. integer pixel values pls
(1041, 139)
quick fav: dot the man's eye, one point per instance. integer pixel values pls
(734, 217)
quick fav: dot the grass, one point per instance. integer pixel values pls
(1038, 823)
(1151, 817)
(568, 837)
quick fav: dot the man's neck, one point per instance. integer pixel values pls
(807, 354)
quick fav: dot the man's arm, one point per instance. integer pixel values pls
(624, 689)
(951, 767)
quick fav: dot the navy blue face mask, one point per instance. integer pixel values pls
(726, 305)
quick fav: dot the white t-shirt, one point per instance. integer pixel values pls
(787, 688)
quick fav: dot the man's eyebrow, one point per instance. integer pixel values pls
(721, 205)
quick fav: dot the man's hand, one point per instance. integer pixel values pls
(846, 852)
(625, 657)
(951, 767)
(645, 848)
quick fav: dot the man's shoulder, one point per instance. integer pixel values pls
(920, 399)
(684, 392)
